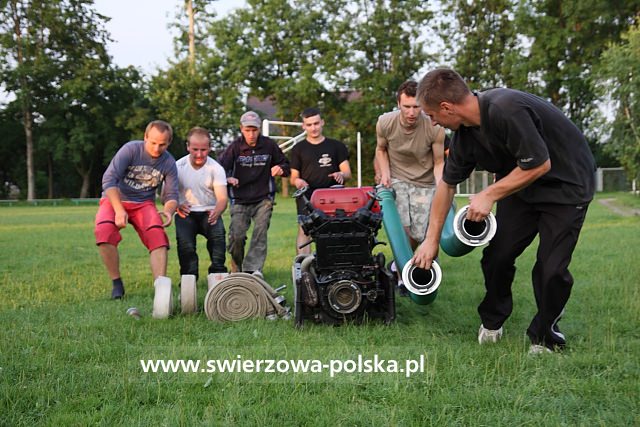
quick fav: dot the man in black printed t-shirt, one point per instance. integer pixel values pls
(545, 180)
(316, 162)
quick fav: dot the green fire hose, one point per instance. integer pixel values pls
(422, 284)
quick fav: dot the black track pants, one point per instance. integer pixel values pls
(518, 223)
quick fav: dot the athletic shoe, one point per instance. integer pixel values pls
(117, 292)
(392, 267)
(402, 290)
(488, 335)
(539, 349)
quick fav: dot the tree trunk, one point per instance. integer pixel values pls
(50, 175)
(84, 189)
(31, 175)
(27, 116)
(192, 36)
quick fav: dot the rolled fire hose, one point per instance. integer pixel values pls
(242, 296)
(188, 294)
(460, 236)
(162, 298)
(420, 292)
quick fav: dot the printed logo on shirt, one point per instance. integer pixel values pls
(526, 159)
(142, 177)
(261, 159)
(325, 161)
(255, 160)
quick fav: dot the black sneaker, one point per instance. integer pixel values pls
(117, 292)
(402, 290)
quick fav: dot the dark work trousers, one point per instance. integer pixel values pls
(518, 223)
(187, 229)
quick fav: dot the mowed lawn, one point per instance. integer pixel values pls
(71, 356)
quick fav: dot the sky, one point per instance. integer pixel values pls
(139, 29)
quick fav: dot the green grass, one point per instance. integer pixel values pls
(70, 356)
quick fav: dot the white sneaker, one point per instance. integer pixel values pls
(539, 349)
(487, 335)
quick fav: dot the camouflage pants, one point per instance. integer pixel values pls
(414, 204)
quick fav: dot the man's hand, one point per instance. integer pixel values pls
(276, 171)
(479, 207)
(301, 183)
(385, 179)
(121, 218)
(233, 181)
(167, 217)
(212, 217)
(424, 255)
(184, 210)
(338, 177)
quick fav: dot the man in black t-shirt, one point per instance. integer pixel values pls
(316, 162)
(545, 179)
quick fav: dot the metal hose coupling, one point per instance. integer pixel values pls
(422, 283)
(474, 233)
(460, 235)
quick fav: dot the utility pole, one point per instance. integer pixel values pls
(192, 41)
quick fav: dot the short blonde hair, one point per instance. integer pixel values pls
(162, 126)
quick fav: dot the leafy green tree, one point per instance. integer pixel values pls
(98, 109)
(194, 89)
(275, 49)
(482, 42)
(547, 47)
(12, 158)
(377, 44)
(617, 79)
(41, 44)
(568, 39)
(346, 57)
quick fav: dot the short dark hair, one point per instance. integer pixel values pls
(409, 88)
(442, 85)
(310, 112)
(197, 130)
(162, 126)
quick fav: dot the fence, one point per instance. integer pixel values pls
(607, 179)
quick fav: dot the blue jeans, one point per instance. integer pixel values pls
(241, 216)
(187, 230)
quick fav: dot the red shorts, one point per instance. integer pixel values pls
(144, 218)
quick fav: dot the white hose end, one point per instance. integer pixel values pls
(473, 233)
(420, 281)
(188, 294)
(162, 299)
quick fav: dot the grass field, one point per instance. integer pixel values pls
(71, 356)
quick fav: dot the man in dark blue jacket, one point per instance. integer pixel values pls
(251, 162)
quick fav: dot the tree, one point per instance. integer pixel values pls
(377, 45)
(483, 43)
(12, 158)
(41, 43)
(617, 79)
(562, 57)
(98, 109)
(275, 49)
(346, 57)
(194, 89)
(547, 47)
